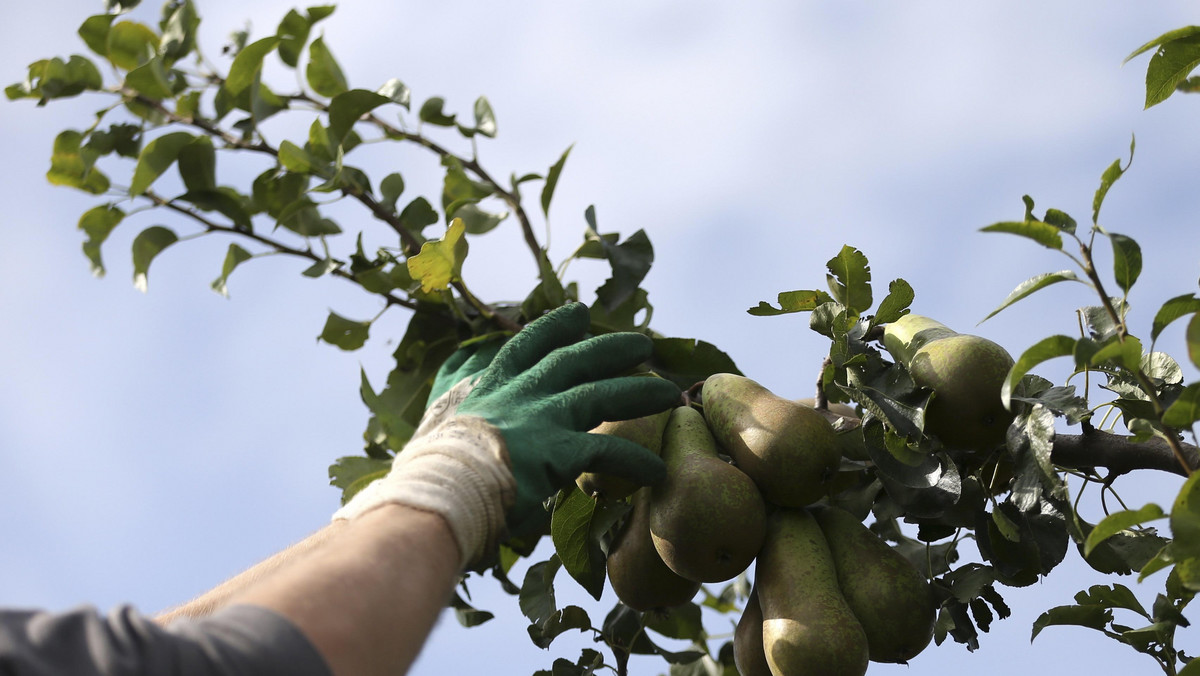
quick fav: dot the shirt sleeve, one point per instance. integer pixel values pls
(244, 640)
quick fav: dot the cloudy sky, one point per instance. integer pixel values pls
(153, 444)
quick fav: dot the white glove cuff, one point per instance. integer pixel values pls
(459, 470)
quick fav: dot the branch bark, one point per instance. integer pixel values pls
(1120, 454)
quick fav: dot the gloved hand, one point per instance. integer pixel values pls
(545, 390)
(454, 380)
(530, 410)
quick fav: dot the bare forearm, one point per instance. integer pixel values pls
(218, 597)
(368, 599)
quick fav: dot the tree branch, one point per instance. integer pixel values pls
(1120, 454)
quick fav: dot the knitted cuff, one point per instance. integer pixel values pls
(458, 469)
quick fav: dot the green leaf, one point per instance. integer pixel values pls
(120, 6)
(1185, 410)
(1169, 66)
(792, 301)
(55, 79)
(485, 119)
(431, 112)
(552, 180)
(293, 34)
(1119, 521)
(303, 218)
(69, 167)
(148, 244)
(630, 262)
(397, 92)
(1193, 340)
(225, 201)
(354, 473)
(233, 258)
(850, 279)
(248, 63)
(477, 220)
(536, 599)
(687, 361)
(130, 44)
(390, 189)
(296, 159)
(1127, 353)
(682, 622)
(1110, 176)
(1032, 285)
(561, 621)
(97, 223)
(94, 31)
(1043, 233)
(576, 526)
(346, 108)
(178, 31)
(198, 164)
(157, 157)
(417, 215)
(440, 261)
(323, 73)
(467, 615)
(1060, 220)
(1173, 309)
(345, 333)
(1169, 36)
(1044, 350)
(1185, 520)
(150, 80)
(895, 304)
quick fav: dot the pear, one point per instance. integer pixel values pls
(966, 374)
(790, 450)
(637, 573)
(707, 518)
(646, 432)
(807, 626)
(891, 599)
(748, 654)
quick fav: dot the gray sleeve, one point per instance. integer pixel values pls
(244, 640)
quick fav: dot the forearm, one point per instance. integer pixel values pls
(218, 597)
(369, 598)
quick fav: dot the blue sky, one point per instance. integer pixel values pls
(153, 444)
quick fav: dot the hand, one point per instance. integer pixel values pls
(454, 381)
(546, 388)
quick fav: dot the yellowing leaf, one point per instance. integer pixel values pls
(440, 261)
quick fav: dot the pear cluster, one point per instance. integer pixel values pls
(829, 594)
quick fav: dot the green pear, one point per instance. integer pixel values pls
(966, 374)
(646, 432)
(748, 654)
(891, 599)
(637, 573)
(707, 518)
(807, 626)
(790, 450)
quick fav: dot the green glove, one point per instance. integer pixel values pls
(466, 362)
(546, 388)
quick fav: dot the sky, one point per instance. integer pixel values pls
(153, 444)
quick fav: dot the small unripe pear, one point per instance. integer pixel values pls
(748, 654)
(635, 570)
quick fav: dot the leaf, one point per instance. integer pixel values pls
(1127, 261)
(1118, 521)
(345, 333)
(895, 304)
(198, 165)
(485, 118)
(561, 621)
(1193, 340)
(1043, 233)
(1175, 308)
(418, 214)
(150, 80)
(477, 220)
(397, 92)
(69, 167)
(54, 79)
(1185, 410)
(94, 31)
(576, 525)
(248, 63)
(97, 223)
(687, 361)
(293, 32)
(148, 244)
(130, 44)
(1032, 285)
(178, 31)
(440, 261)
(1044, 350)
(296, 159)
(1110, 176)
(1187, 31)
(234, 257)
(681, 622)
(157, 157)
(390, 189)
(467, 615)
(850, 279)
(537, 591)
(792, 301)
(346, 108)
(1127, 353)
(323, 73)
(552, 180)
(630, 261)
(1091, 616)
(431, 112)
(1169, 66)
(1060, 220)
